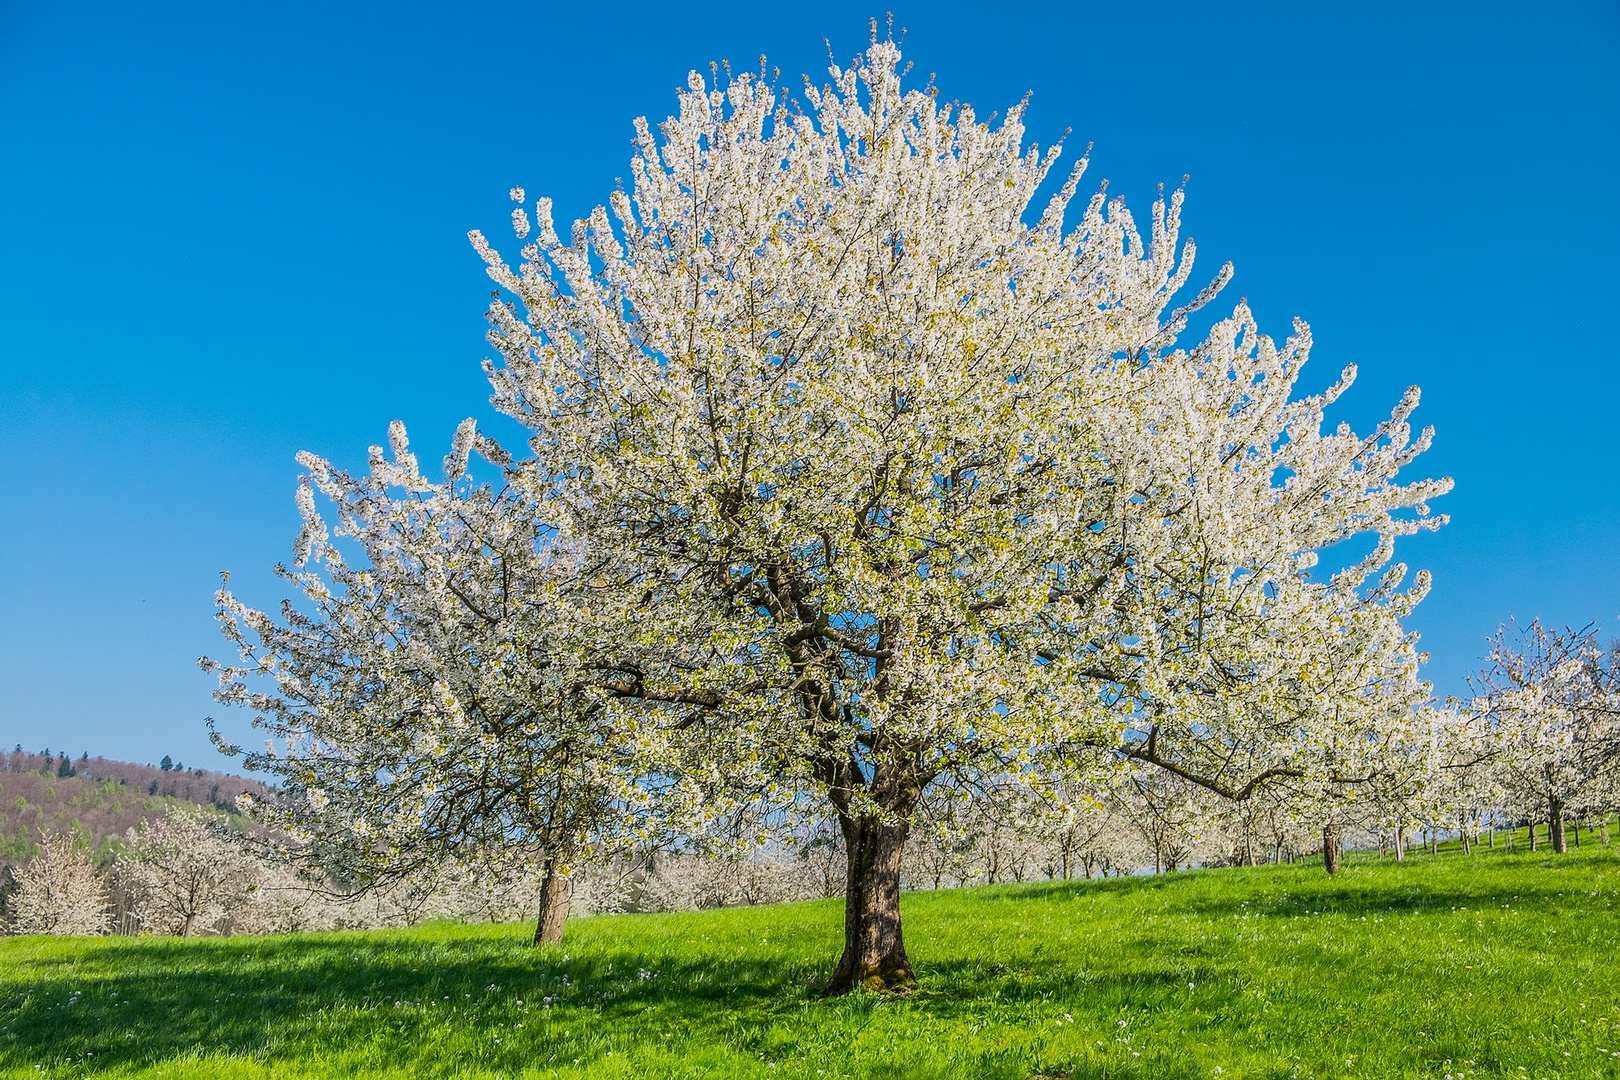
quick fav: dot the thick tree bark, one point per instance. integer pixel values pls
(1330, 848)
(1555, 825)
(874, 950)
(554, 895)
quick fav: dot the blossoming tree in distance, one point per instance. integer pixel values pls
(1551, 699)
(428, 704)
(913, 485)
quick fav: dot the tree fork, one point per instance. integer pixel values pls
(874, 950)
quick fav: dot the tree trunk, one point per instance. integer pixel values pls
(554, 892)
(1400, 843)
(1577, 832)
(1330, 848)
(1555, 826)
(874, 950)
(1532, 834)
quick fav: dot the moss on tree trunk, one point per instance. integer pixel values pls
(874, 950)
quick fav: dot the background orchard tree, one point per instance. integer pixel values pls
(58, 891)
(435, 702)
(1553, 700)
(913, 482)
(1176, 820)
(184, 876)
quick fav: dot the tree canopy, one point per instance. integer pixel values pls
(871, 474)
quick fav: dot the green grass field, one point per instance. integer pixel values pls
(1495, 964)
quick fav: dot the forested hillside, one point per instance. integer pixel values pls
(46, 793)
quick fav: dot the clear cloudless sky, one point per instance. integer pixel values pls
(230, 231)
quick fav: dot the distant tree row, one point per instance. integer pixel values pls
(44, 763)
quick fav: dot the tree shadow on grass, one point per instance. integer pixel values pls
(120, 1004)
(123, 1003)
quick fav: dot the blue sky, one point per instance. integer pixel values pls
(232, 231)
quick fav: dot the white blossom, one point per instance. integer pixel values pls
(59, 892)
(913, 487)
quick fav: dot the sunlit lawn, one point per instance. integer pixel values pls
(1484, 965)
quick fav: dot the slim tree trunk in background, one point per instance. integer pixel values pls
(1400, 843)
(554, 895)
(874, 950)
(1577, 832)
(1532, 834)
(1462, 833)
(1603, 830)
(1330, 848)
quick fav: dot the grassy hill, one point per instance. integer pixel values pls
(1492, 965)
